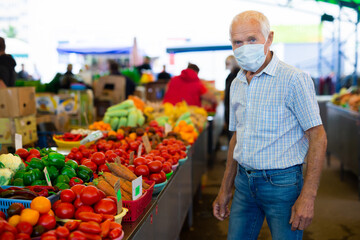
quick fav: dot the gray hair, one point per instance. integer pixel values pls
(254, 15)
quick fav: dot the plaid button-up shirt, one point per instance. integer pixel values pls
(270, 116)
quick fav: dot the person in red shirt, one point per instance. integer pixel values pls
(188, 87)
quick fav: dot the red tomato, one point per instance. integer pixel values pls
(83, 209)
(115, 233)
(55, 205)
(62, 232)
(98, 158)
(22, 152)
(86, 153)
(156, 177)
(90, 195)
(167, 167)
(139, 161)
(90, 165)
(74, 150)
(112, 157)
(71, 155)
(149, 157)
(7, 236)
(142, 170)
(77, 189)
(47, 221)
(72, 225)
(31, 156)
(112, 198)
(131, 168)
(24, 227)
(103, 168)
(65, 210)
(23, 236)
(134, 146)
(67, 195)
(35, 152)
(82, 147)
(155, 166)
(84, 160)
(78, 203)
(163, 176)
(77, 235)
(161, 159)
(78, 156)
(102, 194)
(108, 153)
(2, 215)
(106, 206)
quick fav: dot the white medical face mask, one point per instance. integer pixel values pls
(250, 56)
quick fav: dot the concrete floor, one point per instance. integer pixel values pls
(337, 207)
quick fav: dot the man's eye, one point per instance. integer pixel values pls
(238, 42)
(252, 40)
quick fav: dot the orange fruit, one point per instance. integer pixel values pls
(29, 215)
(41, 204)
(14, 220)
(51, 213)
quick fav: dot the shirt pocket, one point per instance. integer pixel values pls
(269, 118)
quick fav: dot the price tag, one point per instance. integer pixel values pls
(118, 196)
(168, 128)
(18, 141)
(146, 142)
(131, 160)
(117, 160)
(137, 188)
(92, 137)
(47, 176)
(139, 150)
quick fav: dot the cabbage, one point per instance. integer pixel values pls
(11, 161)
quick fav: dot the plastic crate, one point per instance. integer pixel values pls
(5, 202)
(137, 207)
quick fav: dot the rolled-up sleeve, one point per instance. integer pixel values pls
(303, 103)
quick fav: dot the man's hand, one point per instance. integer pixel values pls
(302, 213)
(220, 206)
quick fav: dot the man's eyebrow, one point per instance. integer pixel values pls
(251, 37)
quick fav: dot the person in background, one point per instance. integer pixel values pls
(164, 75)
(7, 67)
(145, 66)
(276, 122)
(68, 78)
(129, 85)
(188, 87)
(23, 74)
(231, 64)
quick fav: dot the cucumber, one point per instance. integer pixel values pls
(107, 119)
(117, 113)
(123, 105)
(132, 119)
(122, 122)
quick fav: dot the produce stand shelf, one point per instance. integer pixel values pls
(343, 133)
(171, 206)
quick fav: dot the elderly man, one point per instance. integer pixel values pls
(276, 120)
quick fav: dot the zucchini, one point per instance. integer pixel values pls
(117, 113)
(132, 119)
(141, 118)
(122, 122)
(114, 123)
(123, 105)
(107, 119)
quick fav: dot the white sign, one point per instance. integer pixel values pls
(18, 141)
(47, 177)
(92, 137)
(136, 188)
(168, 129)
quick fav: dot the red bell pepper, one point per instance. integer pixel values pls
(75, 180)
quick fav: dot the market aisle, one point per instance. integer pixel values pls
(337, 210)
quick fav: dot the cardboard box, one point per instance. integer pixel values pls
(46, 103)
(26, 126)
(17, 102)
(111, 88)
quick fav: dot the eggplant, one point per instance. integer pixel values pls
(19, 194)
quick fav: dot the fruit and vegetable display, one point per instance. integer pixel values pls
(348, 98)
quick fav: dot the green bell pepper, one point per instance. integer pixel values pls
(68, 171)
(29, 177)
(84, 173)
(37, 163)
(62, 179)
(39, 175)
(71, 163)
(39, 183)
(45, 160)
(56, 159)
(28, 168)
(19, 174)
(18, 182)
(53, 172)
(62, 186)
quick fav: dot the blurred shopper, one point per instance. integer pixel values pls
(23, 74)
(188, 87)
(145, 66)
(277, 124)
(7, 67)
(129, 85)
(231, 64)
(68, 78)
(164, 75)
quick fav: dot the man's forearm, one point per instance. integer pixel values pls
(315, 161)
(231, 167)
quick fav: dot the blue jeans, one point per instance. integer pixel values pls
(265, 193)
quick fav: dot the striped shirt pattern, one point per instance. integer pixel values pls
(270, 116)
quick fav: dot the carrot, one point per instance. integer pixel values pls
(126, 185)
(110, 178)
(105, 228)
(126, 196)
(105, 187)
(125, 173)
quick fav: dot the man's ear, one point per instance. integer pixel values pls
(270, 38)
